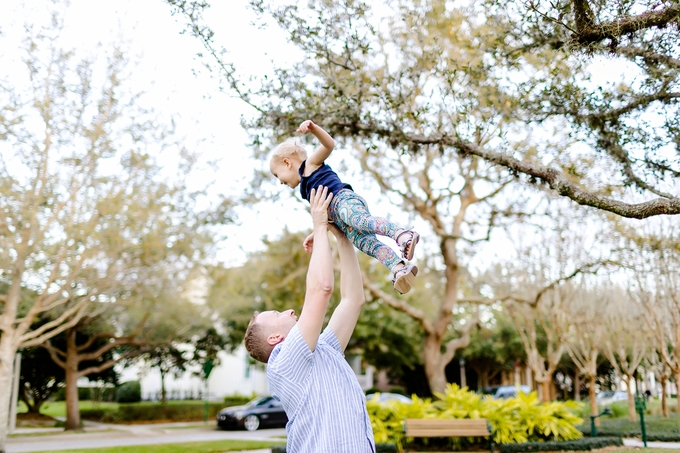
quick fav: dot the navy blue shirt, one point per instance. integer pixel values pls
(322, 176)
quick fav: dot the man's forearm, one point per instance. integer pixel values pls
(320, 271)
(351, 285)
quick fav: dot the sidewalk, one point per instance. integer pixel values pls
(638, 443)
(109, 435)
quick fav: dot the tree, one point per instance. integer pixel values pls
(88, 217)
(495, 347)
(85, 350)
(654, 257)
(584, 337)
(625, 344)
(40, 378)
(392, 75)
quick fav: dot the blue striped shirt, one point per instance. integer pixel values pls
(325, 405)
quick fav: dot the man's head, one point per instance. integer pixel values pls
(286, 160)
(266, 330)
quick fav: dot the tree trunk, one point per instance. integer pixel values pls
(71, 371)
(591, 397)
(577, 386)
(545, 390)
(7, 353)
(163, 394)
(631, 400)
(434, 369)
(664, 403)
(677, 397)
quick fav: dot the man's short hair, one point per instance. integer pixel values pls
(256, 340)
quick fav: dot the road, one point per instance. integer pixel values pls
(102, 436)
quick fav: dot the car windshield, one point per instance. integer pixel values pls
(259, 401)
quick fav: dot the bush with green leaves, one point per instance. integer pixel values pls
(177, 412)
(129, 392)
(520, 419)
(585, 444)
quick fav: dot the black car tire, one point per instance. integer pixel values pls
(251, 422)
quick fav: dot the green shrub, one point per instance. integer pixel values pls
(152, 412)
(236, 400)
(585, 444)
(107, 394)
(379, 448)
(520, 419)
(129, 392)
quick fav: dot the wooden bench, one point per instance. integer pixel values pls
(468, 427)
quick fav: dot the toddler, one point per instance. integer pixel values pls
(348, 211)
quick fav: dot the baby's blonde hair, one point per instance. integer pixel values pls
(289, 148)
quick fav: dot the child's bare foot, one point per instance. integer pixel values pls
(404, 277)
(408, 243)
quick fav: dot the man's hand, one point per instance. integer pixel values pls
(308, 243)
(319, 200)
(306, 126)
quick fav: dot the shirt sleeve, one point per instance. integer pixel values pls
(329, 337)
(294, 359)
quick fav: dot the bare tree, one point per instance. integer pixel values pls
(662, 373)
(625, 343)
(85, 211)
(583, 340)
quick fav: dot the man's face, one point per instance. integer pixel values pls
(278, 322)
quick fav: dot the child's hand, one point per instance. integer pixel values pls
(308, 244)
(306, 126)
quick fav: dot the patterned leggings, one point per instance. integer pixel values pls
(348, 211)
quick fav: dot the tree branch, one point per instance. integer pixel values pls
(398, 304)
(626, 25)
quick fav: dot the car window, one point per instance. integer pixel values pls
(260, 402)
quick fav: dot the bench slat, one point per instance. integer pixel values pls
(447, 433)
(446, 428)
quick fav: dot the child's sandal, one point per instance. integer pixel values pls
(404, 277)
(408, 248)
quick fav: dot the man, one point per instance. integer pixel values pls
(306, 369)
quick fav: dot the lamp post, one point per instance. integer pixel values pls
(593, 428)
(640, 406)
(207, 368)
(463, 381)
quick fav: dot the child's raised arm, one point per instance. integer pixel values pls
(322, 152)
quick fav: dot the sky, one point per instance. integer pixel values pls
(177, 85)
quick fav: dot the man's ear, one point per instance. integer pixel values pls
(275, 339)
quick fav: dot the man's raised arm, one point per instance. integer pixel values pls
(320, 272)
(344, 318)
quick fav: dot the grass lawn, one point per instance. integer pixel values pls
(198, 447)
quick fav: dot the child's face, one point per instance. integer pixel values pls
(285, 171)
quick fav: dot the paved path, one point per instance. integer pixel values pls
(638, 443)
(104, 435)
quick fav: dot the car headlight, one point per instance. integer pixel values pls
(239, 415)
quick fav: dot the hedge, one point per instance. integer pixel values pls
(107, 394)
(379, 448)
(152, 412)
(585, 444)
(658, 428)
(129, 392)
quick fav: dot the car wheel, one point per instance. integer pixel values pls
(252, 422)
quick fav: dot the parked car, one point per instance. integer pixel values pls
(384, 397)
(258, 413)
(505, 391)
(608, 397)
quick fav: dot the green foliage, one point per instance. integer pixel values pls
(236, 400)
(379, 448)
(658, 428)
(129, 392)
(107, 394)
(585, 444)
(520, 419)
(152, 412)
